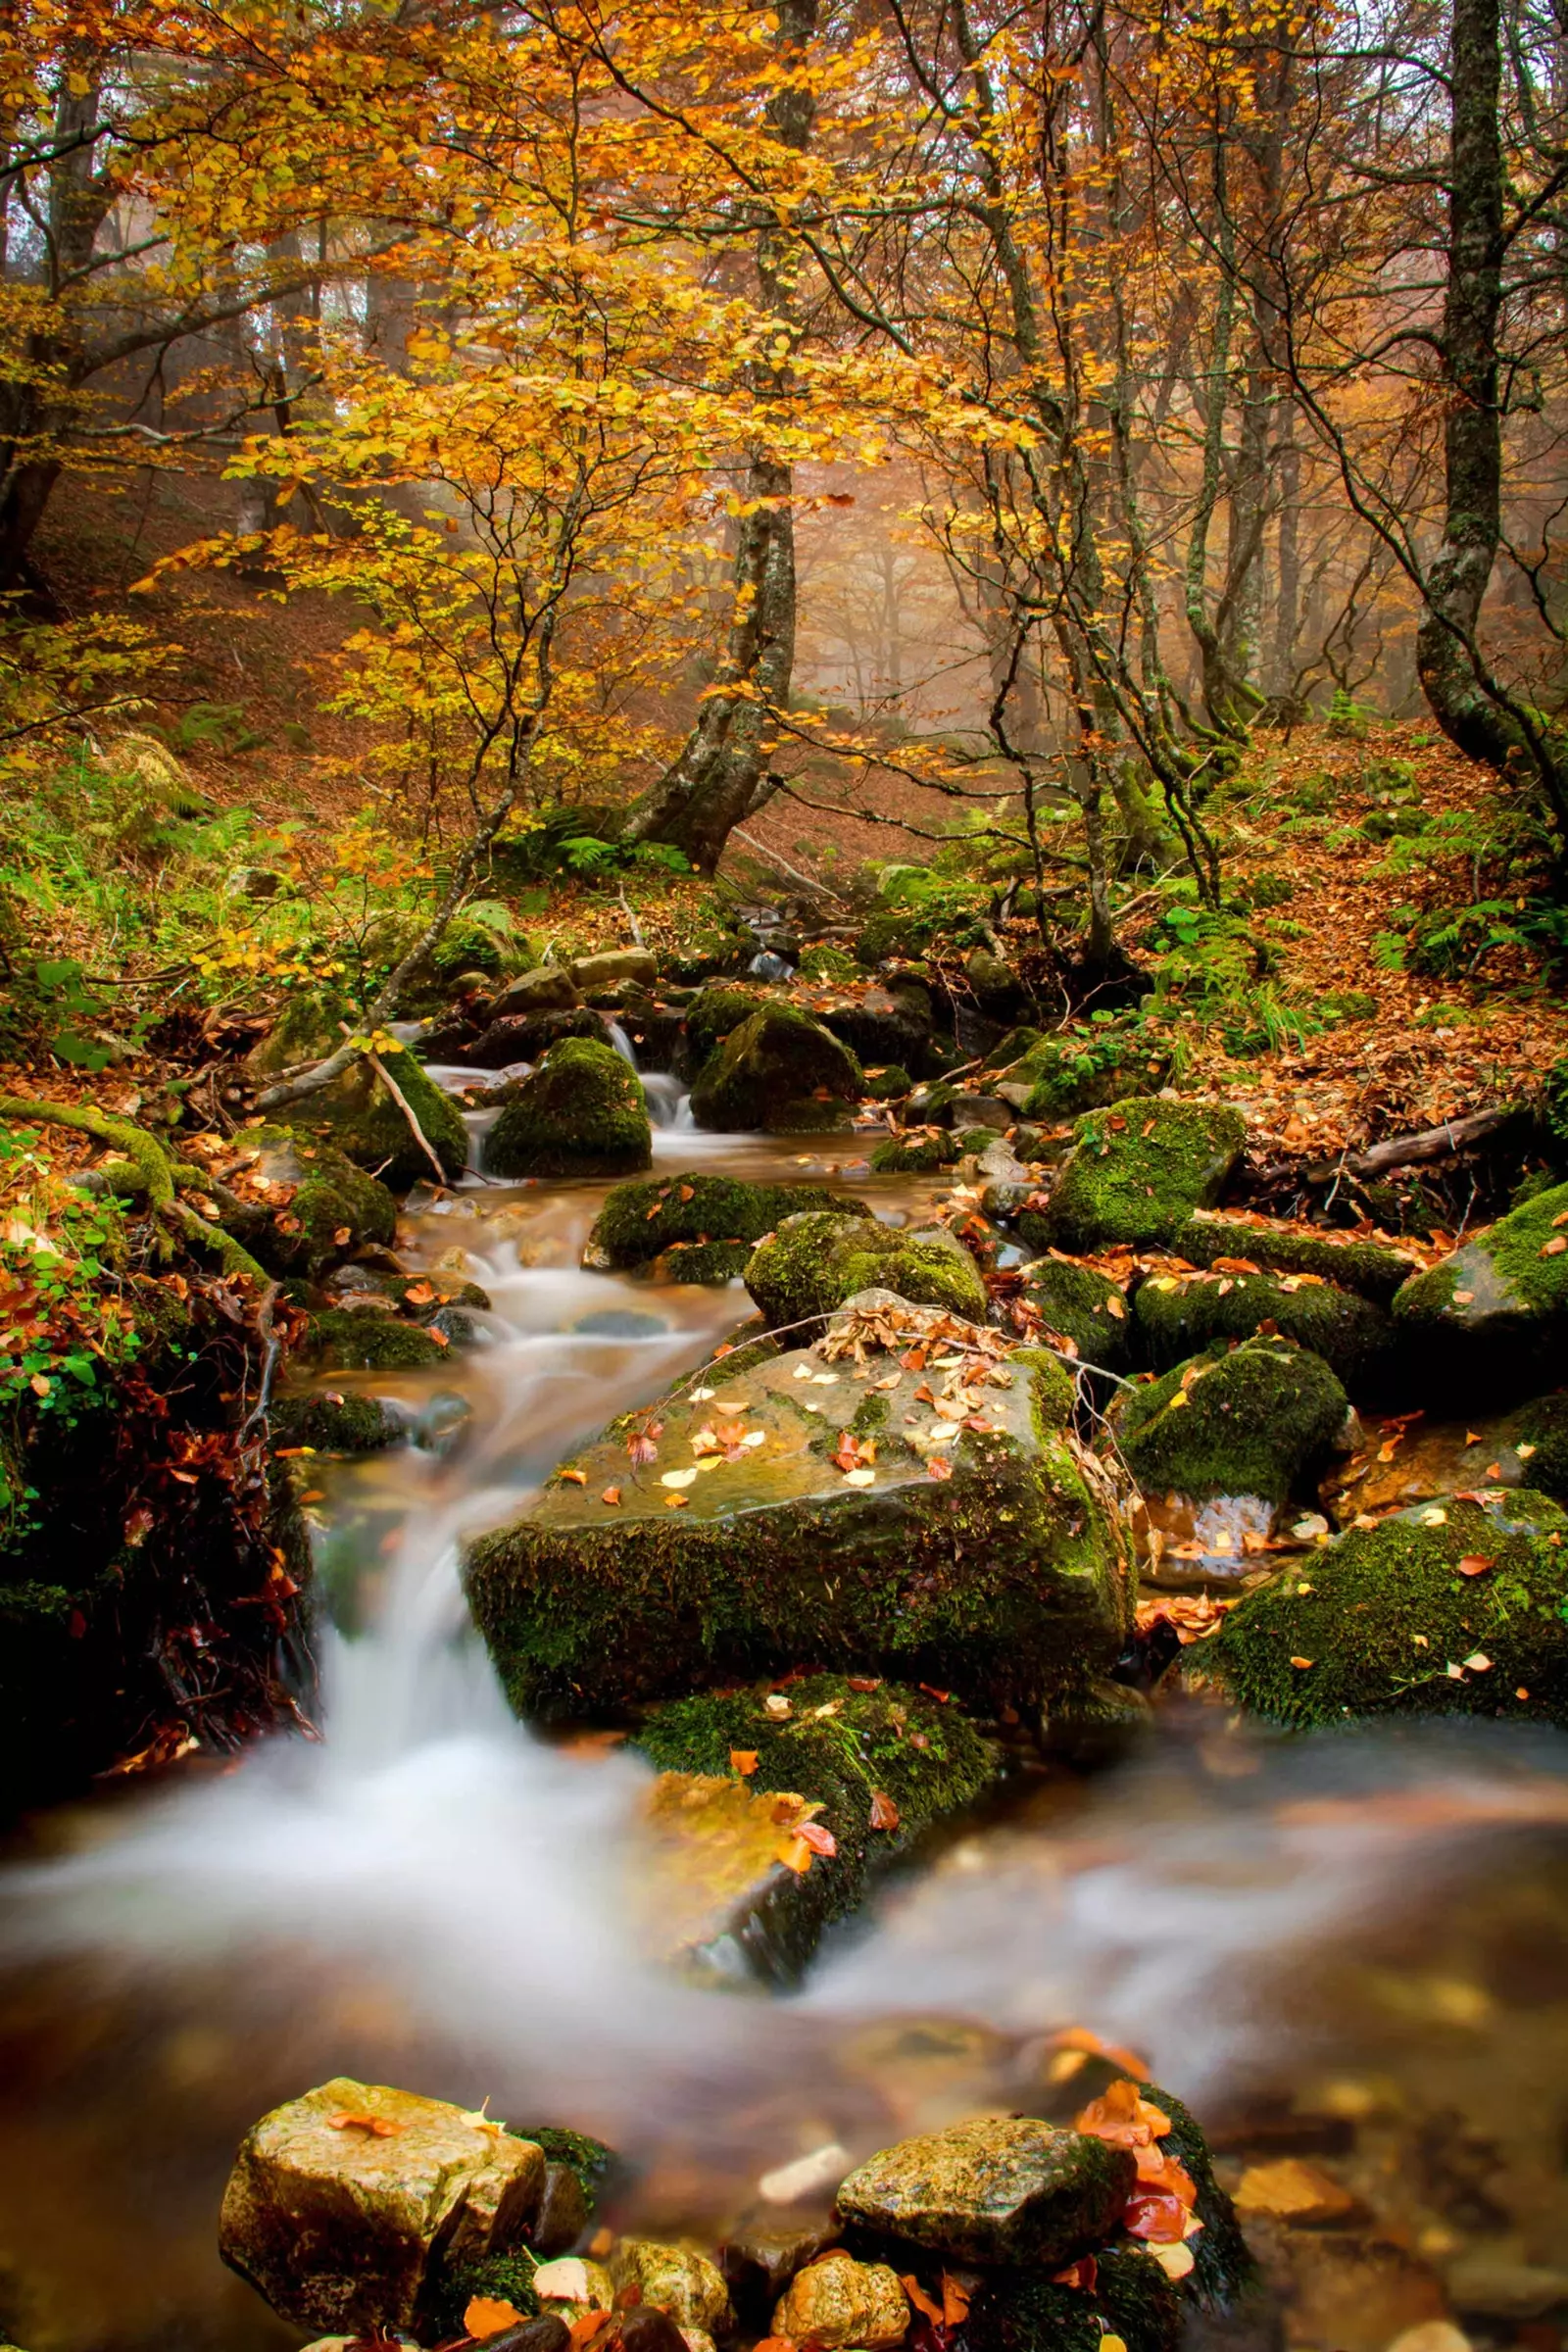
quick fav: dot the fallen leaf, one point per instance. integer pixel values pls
(611, 1494)
(379, 2127)
(1301, 1662)
(1084, 2274)
(584, 2330)
(883, 1812)
(744, 1761)
(924, 2304)
(1464, 1297)
(863, 1682)
(820, 1840)
(678, 1478)
(1552, 1248)
(1156, 2215)
(954, 2301)
(485, 2315)
(1176, 2261)
(1479, 1662)
(1293, 2191)
(1475, 1563)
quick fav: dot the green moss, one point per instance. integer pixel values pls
(357, 1114)
(825, 962)
(1371, 1268)
(1011, 1048)
(917, 1153)
(498, 2277)
(641, 1221)
(588, 2159)
(715, 1013)
(349, 1424)
(1223, 2269)
(838, 1747)
(350, 1340)
(1178, 1316)
(712, 1262)
(1077, 1302)
(1136, 1172)
(1544, 1425)
(1490, 1320)
(581, 1113)
(1254, 1421)
(1514, 1250)
(332, 1197)
(1386, 1613)
(815, 1262)
(889, 1085)
(305, 1030)
(1054, 1389)
(1022, 2311)
(1089, 1066)
(769, 1073)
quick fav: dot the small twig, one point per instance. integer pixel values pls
(406, 1108)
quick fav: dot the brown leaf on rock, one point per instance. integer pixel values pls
(379, 2127)
(883, 1812)
(487, 2316)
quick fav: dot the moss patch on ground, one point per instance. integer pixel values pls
(1400, 1619)
(1137, 1171)
(581, 1113)
(1256, 1419)
(1179, 1314)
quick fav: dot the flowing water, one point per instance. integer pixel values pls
(1363, 1936)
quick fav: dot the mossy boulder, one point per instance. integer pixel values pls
(1375, 1270)
(305, 1030)
(819, 1535)
(335, 1207)
(581, 1113)
(875, 1023)
(357, 1339)
(999, 2190)
(1257, 1419)
(529, 1036)
(780, 1071)
(813, 1263)
(710, 1219)
(920, 1152)
(1137, 1171)
(1543, 1427)
(840, 1747)
(1179, 1314)
(1026, 2311)
(887, 1085)
(1081, 1304)
(713, 1014)
(357, 1114)
(1490, 1322)
(1401, 1618)
(1083, 1069)
(331, 1423)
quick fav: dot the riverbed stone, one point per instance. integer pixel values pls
(1376, 1270)
(974, 1554)
(671, 1216)
(780, 1071)
(306, 1203)
(918, 1152)
(998, 2189)
(1027, 2311)
(818, 1259)
(716, 1012)
(675, 2279)
(1080, 1305)
(357, 1339)
(529, 1036)
(341, 2203)
(838, 2302)
(1490, 1321)
(1135, 1172)
(1179, 1314)
(581, 1113)
(357, 1113)
(1260, 1419)
(546, 989)
(1451, 1607)
(614, 965)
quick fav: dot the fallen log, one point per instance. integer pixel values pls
(1410, 1150)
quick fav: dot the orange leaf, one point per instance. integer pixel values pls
(572, 1478)
(1084, 2273)
(923, 2303)
(611, 1494)
(485, 2315)
(744, 1761)
(863, 1682)
(1475, 1563)
(584, 2330)
(1555, 1247)
(1151, 2215)
(954, 2301)
(820, 1840)
(938, 1467)
(795, 1854)
(419, 1294)
(883, 1812)
(379, 2127)
(1079, 2038)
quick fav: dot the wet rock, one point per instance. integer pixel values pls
(675, 2279)
(876, 1024)
(1255, 1420)
(613, 967)
(641, 1222)
(714, 1013)
(565, 2212)
(304, 1031)
(838, 2302)
(1179, 1314)
(581, 1113)
(1136, 1173)
(336, 1424)
(889, 1084)
(332, 1207)
(720, 1885)
(1081, 1304)
(1403, 1461)
(1490, 1322)
(339, 2223)
(918, 1151)
(647, 2328)
(1132, 2300)
(1451, 1607)
(996, 1572)
(1350, 2289)
(456, 1325)
(1490, 2284)
(760, 2262)
(573, 2286)
(545, 2333)
(529, 1036)
(816, 1261)
(933, 1103)
(1539, 1438)
(343, 1340)
(1001, 2189)
(1374, 1269)
(782, 1072)
(357, 1113)
(547, 990)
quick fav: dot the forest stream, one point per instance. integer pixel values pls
(1355, 1944)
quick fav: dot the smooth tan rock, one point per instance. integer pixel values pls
(614, 965)
(549, 989)
(839, 2301)
(998, 2189)
(676, 2278)
(337, 2224)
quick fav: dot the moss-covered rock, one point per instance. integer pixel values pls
(336, 1424)
(715, 1013)
(357, 1114)
(640, 1222)
(1542, 1428)
(305, 1030)
(876, 1023)
(1179, 1314)
(1401, 1619)
(999, 2191)
(840, 1747)
(529, 1036)
(1373, 1269)
(1083, 1069)
(1026, 2311)
(332, 1209)
(780, 1071)
(815, 1262)
(355, 1339)
(1257, 1419)
(1491, 1321)
(581, 1113)
(1135, 1172)
(887, 1085)
(1081, 1304)
(1000, 1579)
(920, 1151)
